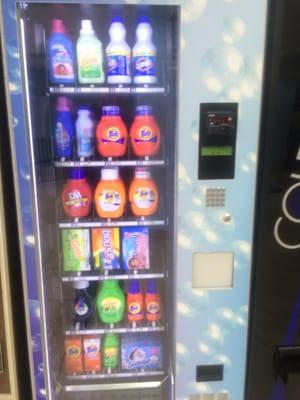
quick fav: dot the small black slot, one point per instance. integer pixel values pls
(286, 361)
(209, 373)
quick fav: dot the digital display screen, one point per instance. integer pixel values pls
(214, 151)
(215, 120)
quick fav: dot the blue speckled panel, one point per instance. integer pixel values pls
(221, 61)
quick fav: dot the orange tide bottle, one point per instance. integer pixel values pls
(144, 133)
(152, 303)
(135, 303)
(143, 193)
(110, 195)
(111, 133)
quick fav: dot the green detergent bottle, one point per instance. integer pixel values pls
(111, 350)
(110, 302)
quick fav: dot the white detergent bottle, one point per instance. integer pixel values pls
(85, 133)
(144, 54)
(89, 55)
(118, 54)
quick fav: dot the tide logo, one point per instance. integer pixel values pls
(109, 197)
(153, 308)
(144, 193)
(113, 134)
(92, 350)
(73, 351)
(145, 133)
(134, 308)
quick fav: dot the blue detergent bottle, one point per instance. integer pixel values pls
(60, 55)
(64, 130)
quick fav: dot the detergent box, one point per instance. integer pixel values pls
(135, 248)
(141, 352)
(106, 248)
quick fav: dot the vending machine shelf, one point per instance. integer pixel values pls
(118, 277)
(138, 329)
(106, 89)
(135, 374)
(108, 163)
(107, 223)
(94, 387)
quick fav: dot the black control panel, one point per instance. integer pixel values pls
(217, 140)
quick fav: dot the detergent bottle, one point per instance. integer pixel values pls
(60, 55)
(89, 55)
(144, 133)
(82, 306)
(135, 303)
(118, 54)
(111, 351)
(152, 302)
(85, 133)
(110, 195)
(111, 133)
(64, 132)
(110, 302)
(144, 54)
(77, 194)
(143, 193)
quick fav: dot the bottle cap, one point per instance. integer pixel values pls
(86, 26)
(77, 173)
(117, 19)
(144, 110)
(142, 19)
(63, 104)
(134, 287)
(111, 110)
(83, 109)
(110, 174)
(110, 283)
(152, 287)
(81, 284)
(58, 26)
(142, 173)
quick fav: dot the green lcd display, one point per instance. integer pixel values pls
(214, 151)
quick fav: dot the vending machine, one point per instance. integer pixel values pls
(134, 128)
(274, 356)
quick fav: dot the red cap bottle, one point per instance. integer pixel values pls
(58, 26)
(77, 195)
